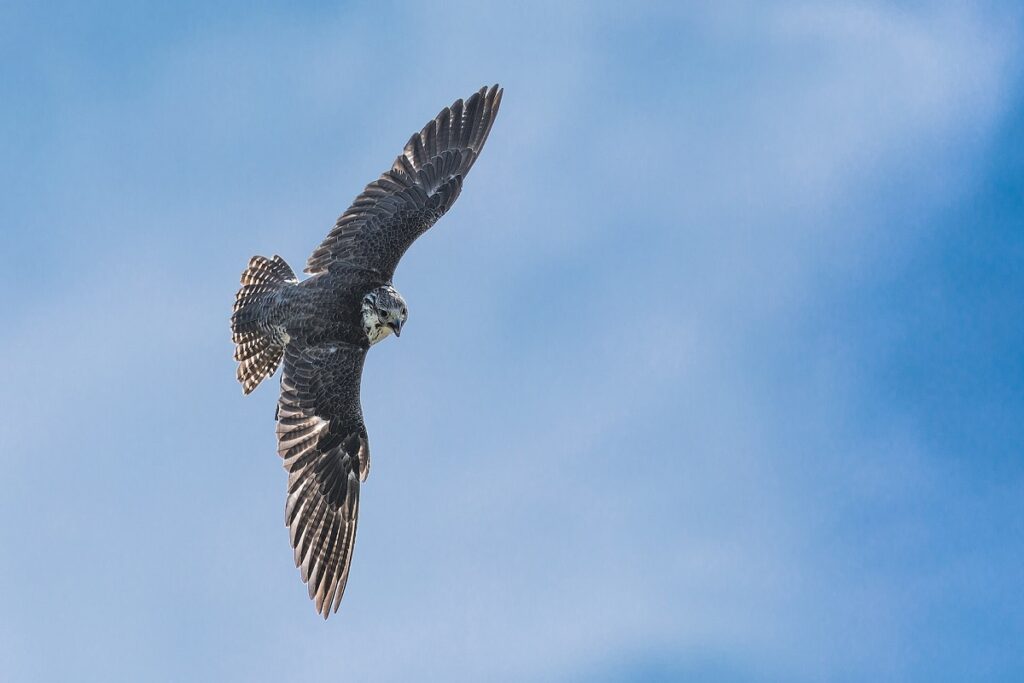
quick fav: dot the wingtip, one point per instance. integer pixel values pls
(490, 92)
(323, 604)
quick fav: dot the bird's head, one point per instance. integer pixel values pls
(384, 312)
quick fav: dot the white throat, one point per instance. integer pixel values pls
(373, 327)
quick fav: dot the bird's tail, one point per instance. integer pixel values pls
(259, 339)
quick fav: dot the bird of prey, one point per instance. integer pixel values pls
(323, 326)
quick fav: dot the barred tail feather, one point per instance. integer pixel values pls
(259, 339)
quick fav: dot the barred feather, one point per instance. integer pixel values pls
(259, 338)
(323, 446)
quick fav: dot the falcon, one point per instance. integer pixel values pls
(322, 327)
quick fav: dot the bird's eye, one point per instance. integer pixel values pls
(383, 315)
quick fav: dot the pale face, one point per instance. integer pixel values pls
(384, 312)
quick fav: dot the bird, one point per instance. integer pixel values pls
(321, 328)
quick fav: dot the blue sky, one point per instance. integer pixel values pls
(713, 373)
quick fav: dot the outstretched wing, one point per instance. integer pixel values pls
(320, 435)
(421, 186)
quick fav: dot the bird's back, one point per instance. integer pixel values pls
(327, 308)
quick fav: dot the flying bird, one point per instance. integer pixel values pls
(322, 327)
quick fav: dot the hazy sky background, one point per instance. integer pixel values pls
(715, 371)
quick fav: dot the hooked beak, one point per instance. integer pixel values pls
(396, 327)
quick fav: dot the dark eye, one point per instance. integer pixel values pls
(383, 315)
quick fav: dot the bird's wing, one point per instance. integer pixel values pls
(320, 435)
(419, 188)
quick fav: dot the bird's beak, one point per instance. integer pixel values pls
(396, 327)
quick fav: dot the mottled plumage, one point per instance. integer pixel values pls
(322, 327)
